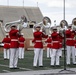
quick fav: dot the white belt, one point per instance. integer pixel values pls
(54, 41)
(48, 43)
(21, 42)
(14, 40)
(6, 43)
(38, 40)
(69, 38)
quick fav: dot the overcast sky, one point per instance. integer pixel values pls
(51, 8)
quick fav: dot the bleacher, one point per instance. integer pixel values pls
(14, 13)
(1, 34)
(34, 14)
(28, 33)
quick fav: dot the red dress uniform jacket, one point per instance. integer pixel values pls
(14, 38)
(21, 42)
(75, 43)
(69, 37)
(75, 39)
(55, 40)
(48, 41)
(61, 40)
(6, 42)
(38, 39)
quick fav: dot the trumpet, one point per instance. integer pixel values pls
(21, 23)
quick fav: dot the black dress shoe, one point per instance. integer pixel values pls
(5, 59)
(40, 66)
(60, 56)
(68, 64)
(74, 64)
(16, 67)
(58, 66)
(35, 66)
(52, 65)
(11, 68)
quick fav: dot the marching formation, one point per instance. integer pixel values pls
(55, 43)
(14, 44)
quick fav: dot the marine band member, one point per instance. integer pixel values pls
(21, 46)
(48, 41)
(38, 46)
(70, 45)
(14, 44)
(55, 48)
(6, 46)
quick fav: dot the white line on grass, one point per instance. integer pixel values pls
(6, 71)
(4, 65)
(19, 67)
(25, 68)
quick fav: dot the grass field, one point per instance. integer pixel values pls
(26, 64)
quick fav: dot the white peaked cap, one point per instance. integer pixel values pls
(13, 25)
(37, 26)
(49, 35)
(54, 27)
(70, 25)
(22, 33)
(6, 34)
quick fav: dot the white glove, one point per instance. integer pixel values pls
(24, 25)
